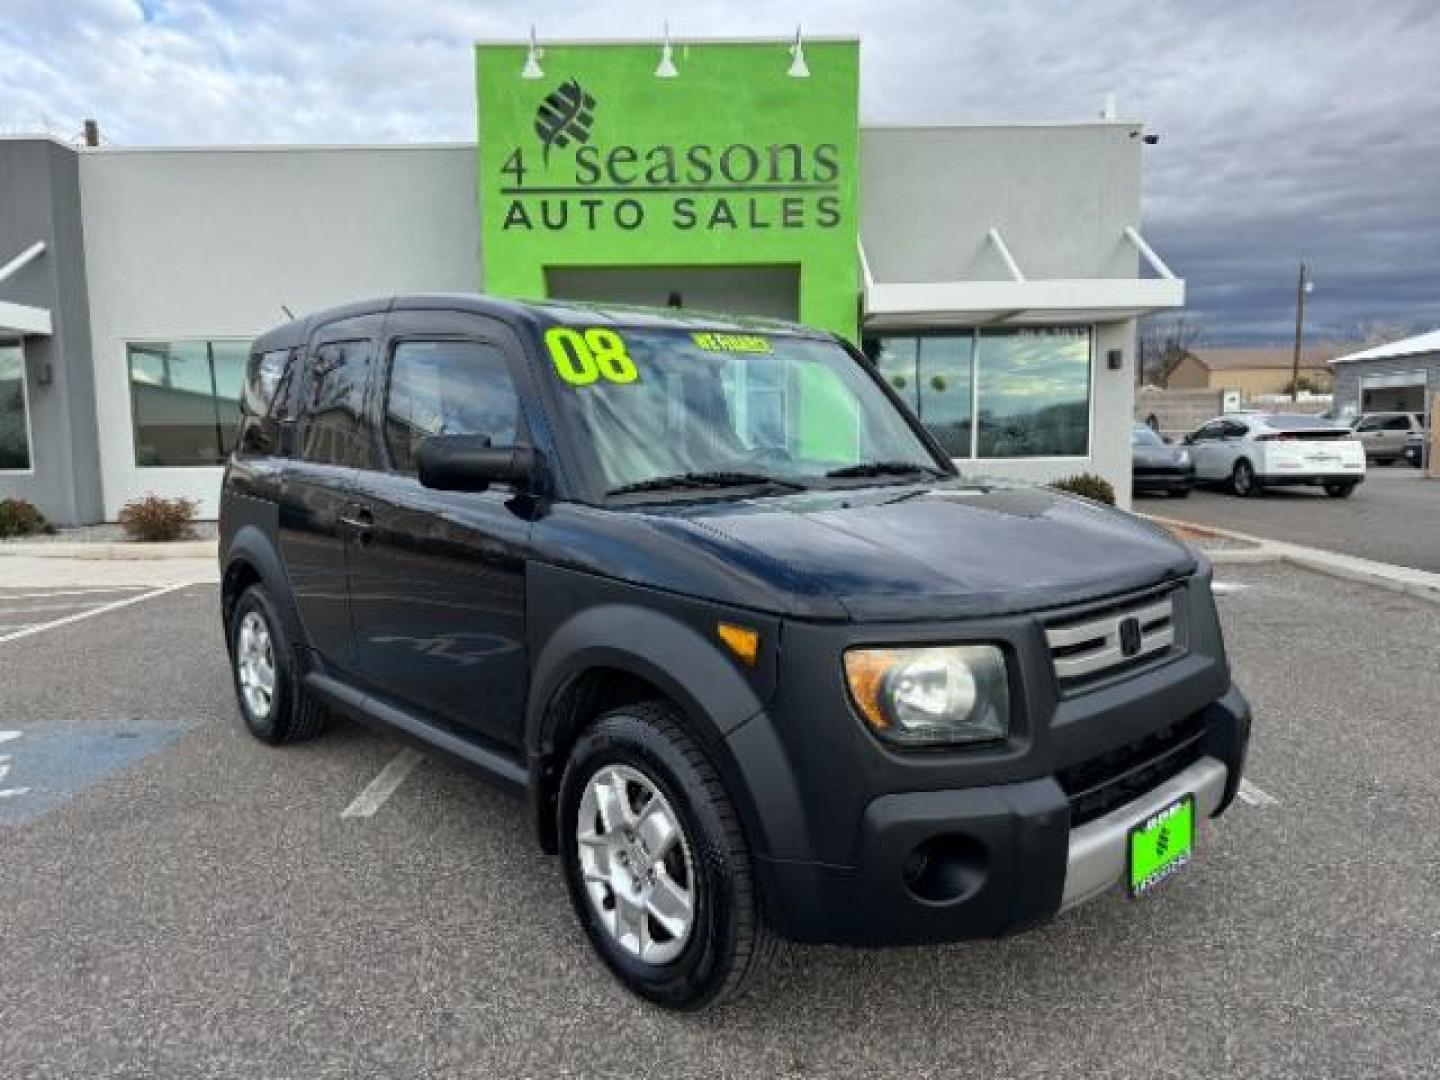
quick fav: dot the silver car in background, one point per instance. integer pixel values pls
(1385, 435)
(1248, 452)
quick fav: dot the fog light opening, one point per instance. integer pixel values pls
(945, 869)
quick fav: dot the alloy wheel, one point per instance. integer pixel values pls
(255, 664)
(636, 864)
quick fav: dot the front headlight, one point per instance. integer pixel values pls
(931, 696)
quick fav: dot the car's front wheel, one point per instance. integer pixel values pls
(274, 706)
(1339, 491)
(1242, 479)
(656, 864)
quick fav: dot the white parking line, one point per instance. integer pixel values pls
(384, 784)
(31, 609)
(101, 610)
(47, 594)
(1251, 795)
(1225, 588)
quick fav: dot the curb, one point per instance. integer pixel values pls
(61, 549)
(1421, 584)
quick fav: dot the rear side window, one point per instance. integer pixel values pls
(335, 405)
(267, 371)
(1399, 423)
(447, 388)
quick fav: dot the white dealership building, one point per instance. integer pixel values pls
(1002, 271)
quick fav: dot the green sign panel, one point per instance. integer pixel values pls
(600, 163)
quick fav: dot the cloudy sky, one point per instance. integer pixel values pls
(1289, 129)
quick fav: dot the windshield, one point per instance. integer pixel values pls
(653, 405)
(1143, 435)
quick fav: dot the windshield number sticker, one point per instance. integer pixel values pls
(733, 343)
(583, 356)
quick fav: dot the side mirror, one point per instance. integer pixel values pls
(470, 463)
(1188, 440)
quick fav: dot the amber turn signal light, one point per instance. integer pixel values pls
(740, 640)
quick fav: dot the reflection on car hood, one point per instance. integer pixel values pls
(907, 552)
(1157, 455)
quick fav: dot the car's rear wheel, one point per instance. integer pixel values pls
(1340, 490)
(1242, 479)
(657, 867)
(1180, 493)
(273, 705)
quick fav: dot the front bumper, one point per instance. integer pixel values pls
(1162, 479)
(988, 861)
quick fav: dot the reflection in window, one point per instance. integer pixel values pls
(14, 427)
(186, 400)
(334, 423)
(1030, 387)
(447, 388)
(897, 359)
(1034, 398)
(944, 391)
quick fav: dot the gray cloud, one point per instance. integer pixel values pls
(1289, 130)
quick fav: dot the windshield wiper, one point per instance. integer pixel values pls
(716, 479)
(884, 468)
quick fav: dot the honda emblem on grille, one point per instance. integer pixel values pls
(1129, 636)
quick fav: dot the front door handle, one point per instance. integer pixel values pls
(362, 520)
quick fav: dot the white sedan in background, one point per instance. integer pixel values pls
(1251, 451)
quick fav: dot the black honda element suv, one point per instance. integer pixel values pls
(710, 598)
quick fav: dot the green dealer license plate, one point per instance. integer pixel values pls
(1161, 845)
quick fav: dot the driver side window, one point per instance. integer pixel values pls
(447, 388)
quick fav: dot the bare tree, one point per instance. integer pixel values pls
(1164, 342)
(1381, 331)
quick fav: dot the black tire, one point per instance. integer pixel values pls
(1339, 491)
(728, 941)
(1242, 480)
(1180, 493)
(293, 716)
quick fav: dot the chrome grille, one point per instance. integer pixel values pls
(1093, 645)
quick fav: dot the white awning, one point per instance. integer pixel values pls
(20, 320)
(1020, 300)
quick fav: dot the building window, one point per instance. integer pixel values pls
(946, 392)
(447, 388)
(1014, 393)
(14, 418)
(1034, 393)
(186, 400)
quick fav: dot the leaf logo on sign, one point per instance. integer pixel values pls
(564, 116)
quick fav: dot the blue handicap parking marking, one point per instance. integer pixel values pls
(42, 766)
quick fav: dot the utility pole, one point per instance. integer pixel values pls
(1302, 286)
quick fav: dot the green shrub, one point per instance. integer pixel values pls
(154, 519)
(1089, 485)
(20, 518)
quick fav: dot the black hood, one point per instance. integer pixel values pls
(886, 553)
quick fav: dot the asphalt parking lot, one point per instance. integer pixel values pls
(179, 900)
(1394, 516)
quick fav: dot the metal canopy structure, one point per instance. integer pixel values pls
(1019, 300)
(22, 320)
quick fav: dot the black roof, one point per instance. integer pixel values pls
(538, 314)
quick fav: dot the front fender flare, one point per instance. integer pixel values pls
(688, 668)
